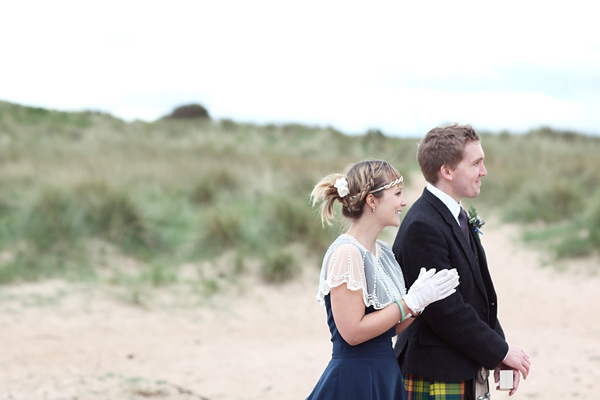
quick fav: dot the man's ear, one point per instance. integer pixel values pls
(446, 173)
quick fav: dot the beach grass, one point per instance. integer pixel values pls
(175, 193)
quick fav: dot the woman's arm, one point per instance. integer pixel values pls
(400, 327)
(354, 325)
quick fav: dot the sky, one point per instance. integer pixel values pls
(397, 66)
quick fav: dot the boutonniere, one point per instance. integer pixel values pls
(474, 219)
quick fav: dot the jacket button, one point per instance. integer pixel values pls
(484, 310)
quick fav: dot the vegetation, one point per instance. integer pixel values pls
(81, 190)
(548, 180)
(189, 111)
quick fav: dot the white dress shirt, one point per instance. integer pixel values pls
(452, 205)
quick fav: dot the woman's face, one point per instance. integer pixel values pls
(390, 206)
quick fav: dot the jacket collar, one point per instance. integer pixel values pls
(445, 198)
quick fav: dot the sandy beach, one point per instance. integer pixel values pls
(256, 341)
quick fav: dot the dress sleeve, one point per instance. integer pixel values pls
(345, 265)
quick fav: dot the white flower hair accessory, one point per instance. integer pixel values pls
(341, 184)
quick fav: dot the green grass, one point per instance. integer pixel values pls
(548, 180)
(280, 267)
(175, 192)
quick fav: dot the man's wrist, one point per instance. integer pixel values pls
(508, 351)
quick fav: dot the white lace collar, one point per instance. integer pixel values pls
(378, 276)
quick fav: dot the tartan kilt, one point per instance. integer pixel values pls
(420, 388)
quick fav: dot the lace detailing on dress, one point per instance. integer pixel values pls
(378, 276)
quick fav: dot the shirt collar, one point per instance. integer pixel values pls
(452, 205)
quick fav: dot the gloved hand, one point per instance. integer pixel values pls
(429, 287)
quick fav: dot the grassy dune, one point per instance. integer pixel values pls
(222, 198)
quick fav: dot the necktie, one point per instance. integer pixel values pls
(464, 225)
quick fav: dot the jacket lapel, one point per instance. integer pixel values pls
(449, 220)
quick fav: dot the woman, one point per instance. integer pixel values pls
(362, 286)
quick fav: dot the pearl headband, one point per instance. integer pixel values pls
(389, 185)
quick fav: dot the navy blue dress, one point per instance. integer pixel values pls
(367, 371)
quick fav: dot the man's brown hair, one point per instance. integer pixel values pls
(443, 146)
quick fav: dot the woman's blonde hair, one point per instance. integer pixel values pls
(363, 178)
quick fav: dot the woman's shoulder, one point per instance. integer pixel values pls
(346, 244)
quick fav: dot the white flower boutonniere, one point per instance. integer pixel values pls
(341, 184)
(474, 220)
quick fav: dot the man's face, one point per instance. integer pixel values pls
(469, 171)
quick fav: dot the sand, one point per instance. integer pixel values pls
(80, 341)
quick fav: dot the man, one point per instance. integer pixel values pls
(444, 350)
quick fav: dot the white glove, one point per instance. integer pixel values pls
(429, 287)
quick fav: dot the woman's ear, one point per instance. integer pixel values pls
(370, 201)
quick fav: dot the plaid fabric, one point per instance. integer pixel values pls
(419, 388)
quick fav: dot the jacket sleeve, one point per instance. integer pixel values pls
(454, 321)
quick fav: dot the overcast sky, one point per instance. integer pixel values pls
(401, 67)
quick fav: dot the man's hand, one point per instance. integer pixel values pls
(518, 361)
